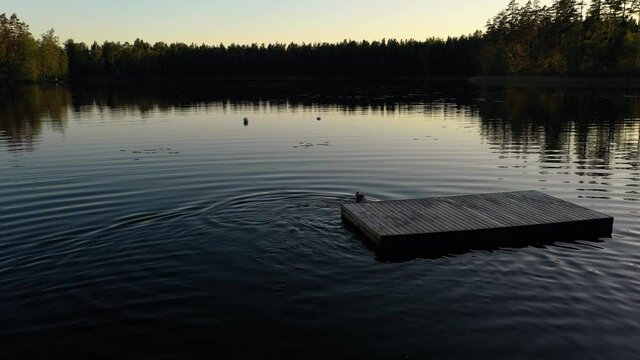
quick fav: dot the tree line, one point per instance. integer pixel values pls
(568, 37)
(23, 58)
(386, 58)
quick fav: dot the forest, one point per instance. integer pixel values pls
(23, 58)
(566, 38)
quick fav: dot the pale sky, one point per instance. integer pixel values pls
(249, 21)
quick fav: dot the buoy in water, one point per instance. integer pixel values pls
(245, 121)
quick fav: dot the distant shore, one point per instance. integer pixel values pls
(556, 81)
(499, 81)
(278, 78)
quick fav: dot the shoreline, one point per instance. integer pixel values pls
(556, 81)
(491, 81)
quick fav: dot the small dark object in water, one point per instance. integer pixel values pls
(318, 118)
(245, 121)
(361, 198)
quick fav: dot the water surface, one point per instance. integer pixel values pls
(149, 221)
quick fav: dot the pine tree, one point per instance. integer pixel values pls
(17, 49)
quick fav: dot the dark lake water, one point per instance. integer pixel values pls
(149, 222)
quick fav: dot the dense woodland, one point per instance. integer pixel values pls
(24, 58)
(569, 37)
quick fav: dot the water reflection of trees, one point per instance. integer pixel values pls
(348, 96)
(588, 127)
(560, 126)
(25, 110)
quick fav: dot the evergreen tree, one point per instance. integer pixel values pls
(17, 50)
(51, 57)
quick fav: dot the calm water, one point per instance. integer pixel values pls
(150, 222)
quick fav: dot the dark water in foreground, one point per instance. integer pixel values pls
(149, 222)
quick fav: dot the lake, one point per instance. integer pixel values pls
(151, 221)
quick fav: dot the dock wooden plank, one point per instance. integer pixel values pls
(479, 207)
(514, 211)
(551, 209)
(423, 221)
(409, 221)
(473, 218)
(477, 213)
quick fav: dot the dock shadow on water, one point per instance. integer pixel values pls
(477, 247)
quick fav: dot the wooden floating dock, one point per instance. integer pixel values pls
(475, 220)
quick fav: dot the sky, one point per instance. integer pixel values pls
(253, 21)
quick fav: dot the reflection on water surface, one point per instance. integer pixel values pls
(136, 219)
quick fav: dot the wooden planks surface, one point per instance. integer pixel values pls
(509, 215)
